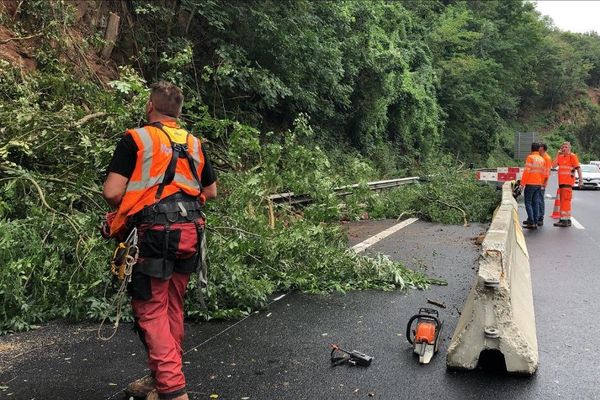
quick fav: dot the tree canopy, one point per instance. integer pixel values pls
(287, 95)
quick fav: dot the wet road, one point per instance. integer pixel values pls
(282, 352)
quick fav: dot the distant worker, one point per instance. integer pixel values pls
(158, 180)
(544, 153)
(534, 177)
(567, 163)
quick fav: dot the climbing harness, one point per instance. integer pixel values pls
(178, 209)
(178, 150)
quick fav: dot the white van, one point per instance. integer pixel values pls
(595, 163)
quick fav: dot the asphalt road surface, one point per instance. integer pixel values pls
(282, 352)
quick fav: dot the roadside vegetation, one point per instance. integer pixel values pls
(295, 96)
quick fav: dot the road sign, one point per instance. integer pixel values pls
(523, 142)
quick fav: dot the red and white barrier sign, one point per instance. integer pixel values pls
(502, 174)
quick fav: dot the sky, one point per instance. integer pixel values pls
(574, 16)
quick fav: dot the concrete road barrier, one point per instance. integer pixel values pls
(498, 315)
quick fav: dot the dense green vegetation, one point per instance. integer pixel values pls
(289, 95)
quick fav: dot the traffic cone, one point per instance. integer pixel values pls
(556, 210)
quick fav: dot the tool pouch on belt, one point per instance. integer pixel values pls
(165, 249)
(169, 241)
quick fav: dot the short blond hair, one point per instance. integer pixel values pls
(166, 98)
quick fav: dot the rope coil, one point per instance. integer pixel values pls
(124, 258)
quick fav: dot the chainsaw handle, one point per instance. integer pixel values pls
(412, 319)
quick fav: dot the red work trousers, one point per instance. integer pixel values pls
(160, 320)
(566, 195)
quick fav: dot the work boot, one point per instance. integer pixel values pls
(141, 387)
(540, 222)
(529, 225)
(563, 223)
(153, 395)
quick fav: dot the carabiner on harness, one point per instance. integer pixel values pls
(125, 257)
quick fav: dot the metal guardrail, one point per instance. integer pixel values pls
(292, 198)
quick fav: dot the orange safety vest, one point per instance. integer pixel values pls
(567, 163)
(548, 161)
(535, 172)
(153, 157)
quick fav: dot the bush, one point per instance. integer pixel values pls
(446, 194)
(56, 265)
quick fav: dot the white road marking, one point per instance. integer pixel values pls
(362, 246)
(576, 223)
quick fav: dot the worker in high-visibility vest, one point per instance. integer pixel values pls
(548, 160)
(567, 164)
(534, 177)
(158, 180)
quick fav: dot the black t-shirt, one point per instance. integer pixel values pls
(125, 156)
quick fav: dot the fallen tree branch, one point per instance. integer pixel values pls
(20, 38)
(436, 303)
(89, 117)
(53, 179)
(89, 189)
(408, 212)
(271, 214)
(464, 214)
(45, 203)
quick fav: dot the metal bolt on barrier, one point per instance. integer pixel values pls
(491, 333)
(492, 283)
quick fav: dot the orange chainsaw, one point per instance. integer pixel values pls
(425, 338)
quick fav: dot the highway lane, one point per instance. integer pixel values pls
(564, 264)
(281, 353)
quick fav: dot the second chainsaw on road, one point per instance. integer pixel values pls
(425, 338)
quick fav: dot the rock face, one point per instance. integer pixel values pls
(18, 47)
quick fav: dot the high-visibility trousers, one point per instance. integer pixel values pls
(160, 324)
(566, 195)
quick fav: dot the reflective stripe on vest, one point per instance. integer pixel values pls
(153, 157)
(535, 170)
(149, 181)
(147, 156)
(548, 161)
(566, 172)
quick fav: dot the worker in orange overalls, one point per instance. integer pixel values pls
(567, 163)
(542, 206)
(534, 177)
